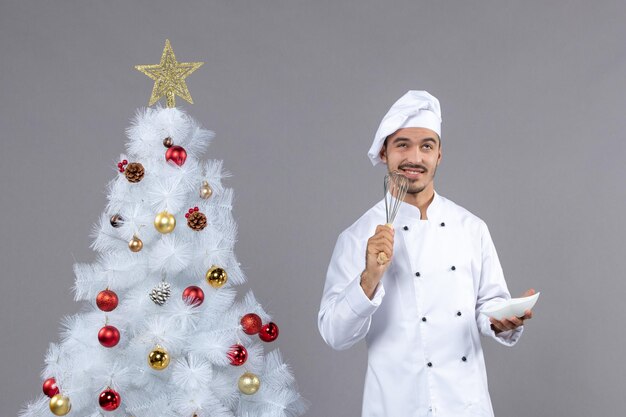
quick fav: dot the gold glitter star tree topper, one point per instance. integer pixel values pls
(169, 77)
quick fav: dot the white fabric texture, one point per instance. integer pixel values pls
(416, 108)
(426, 310)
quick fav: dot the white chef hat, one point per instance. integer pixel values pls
(417, 108)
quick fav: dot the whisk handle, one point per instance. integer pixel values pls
(382, 256)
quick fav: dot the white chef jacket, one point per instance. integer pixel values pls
(423, 324)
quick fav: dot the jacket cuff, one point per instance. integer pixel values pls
(360, 303)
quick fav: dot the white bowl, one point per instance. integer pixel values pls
(512, 307)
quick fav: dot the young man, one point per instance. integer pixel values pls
(420, 313)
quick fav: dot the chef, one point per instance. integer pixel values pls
(419, 313)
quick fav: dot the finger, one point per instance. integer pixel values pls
(386, 234)
(376, 245)
(511, 323)
(384, 228)
(504, 325)
(498, 325)
(529, 292)
(383, 236)
(379, 255)
(383, 247)
(516, 321)
(528, 314)
(381, 241)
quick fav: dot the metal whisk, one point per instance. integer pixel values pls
(395, 187)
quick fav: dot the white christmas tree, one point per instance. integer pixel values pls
(162, 333)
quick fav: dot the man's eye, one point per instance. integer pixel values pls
(428, 146)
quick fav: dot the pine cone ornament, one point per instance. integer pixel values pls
(160, 293)
(196, 220)
(134, 172)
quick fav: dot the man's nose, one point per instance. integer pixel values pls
(416, 157)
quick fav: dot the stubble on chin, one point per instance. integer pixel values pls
(415, 189)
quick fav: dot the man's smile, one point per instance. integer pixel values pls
(412, 172)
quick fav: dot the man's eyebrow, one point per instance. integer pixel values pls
(400, 139)
(403, 139)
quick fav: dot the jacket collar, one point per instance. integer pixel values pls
(410, 213)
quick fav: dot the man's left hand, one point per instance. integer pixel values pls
(512, 323)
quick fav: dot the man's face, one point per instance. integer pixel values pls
(415, 152)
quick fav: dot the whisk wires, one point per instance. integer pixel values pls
(395, 188)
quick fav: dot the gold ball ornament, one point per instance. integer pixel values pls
(165, 222)
(205, 190)
(60, 405)
(216, 276)
(135, 244)
(249, 383)
(158, 359)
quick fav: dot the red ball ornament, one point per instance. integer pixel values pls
(109, 336)
(237, 355)
(251, 323)
(50, 387)
(269, 332)
(106, 300)
(194, 296)
(176, 154)
(109, 400)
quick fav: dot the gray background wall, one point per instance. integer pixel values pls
(533, 96)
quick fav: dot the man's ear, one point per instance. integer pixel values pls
(439, 156)
(383, 153)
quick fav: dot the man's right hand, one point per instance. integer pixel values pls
(381, 241)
